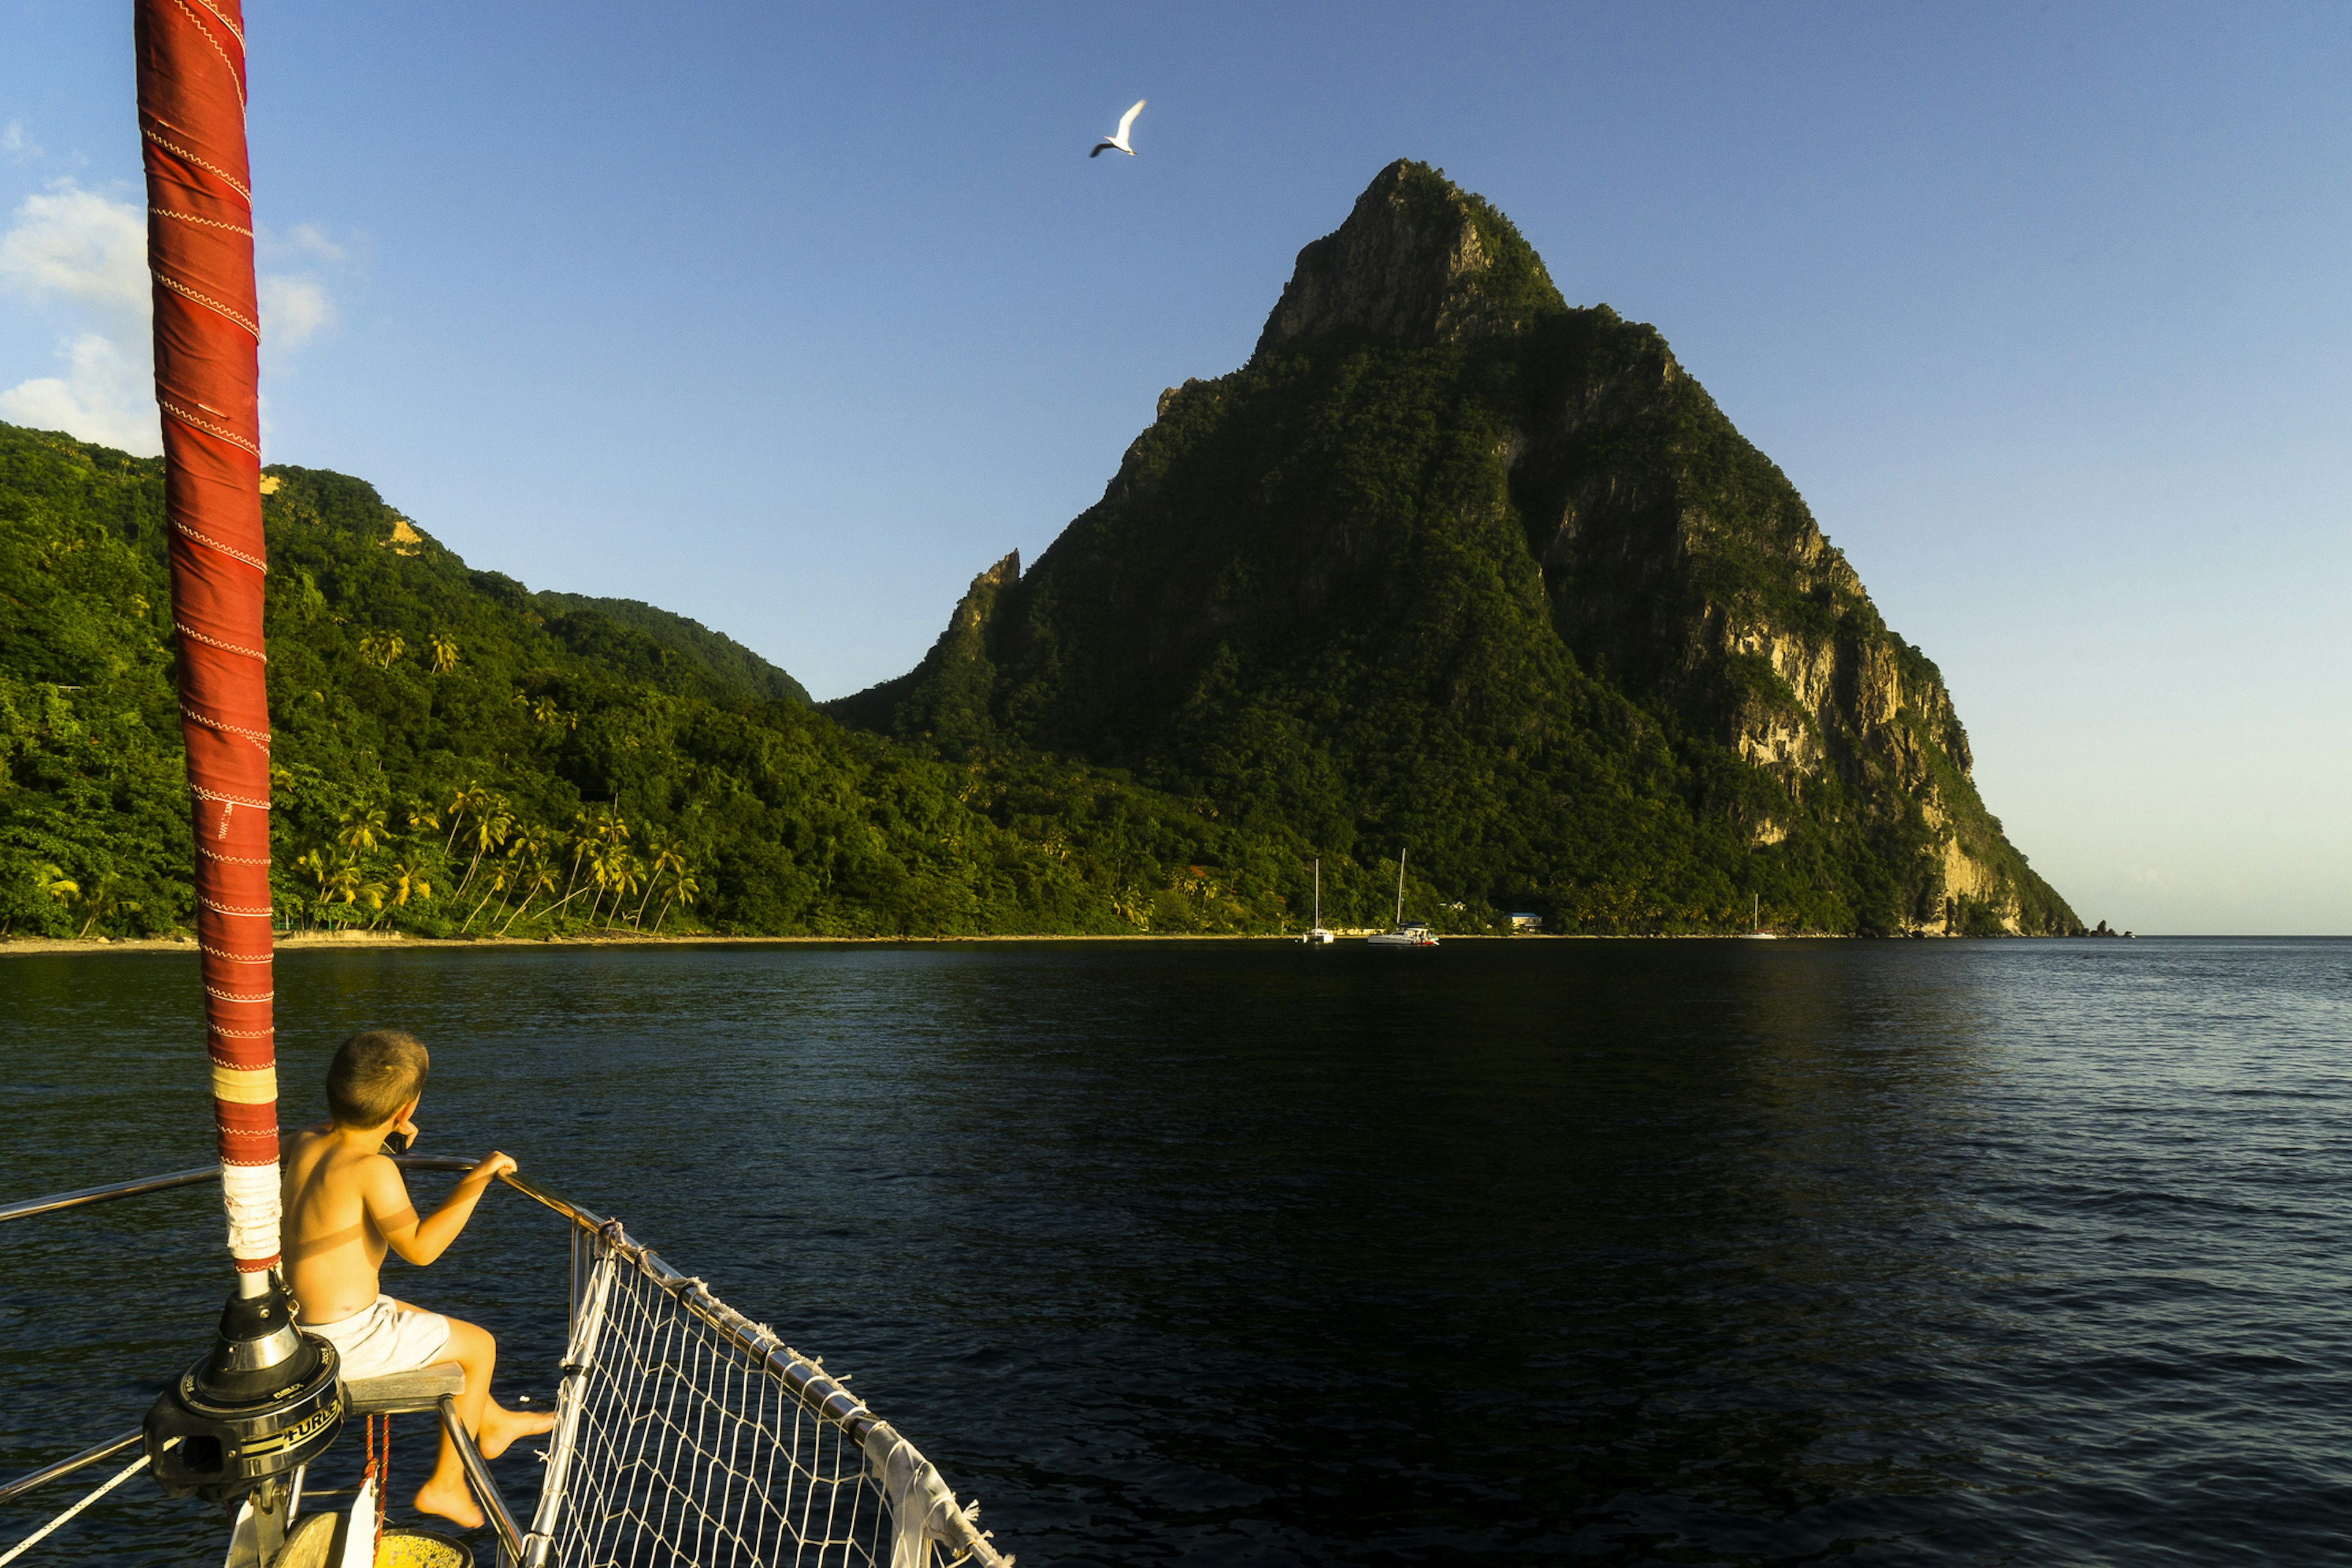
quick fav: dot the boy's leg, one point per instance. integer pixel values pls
(493, 1427)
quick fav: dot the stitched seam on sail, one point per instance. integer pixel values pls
(176, 287)
(191, 217)
(254, 562)
(185, 417)
(207, 35)
(260, 737)
(187, 631)
(186, 156)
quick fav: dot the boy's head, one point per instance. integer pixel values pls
(376, 1074)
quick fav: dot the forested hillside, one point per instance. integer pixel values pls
(1450, 565)
(715, 654)
(452, 754)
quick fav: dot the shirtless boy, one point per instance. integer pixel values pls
(346, 1206)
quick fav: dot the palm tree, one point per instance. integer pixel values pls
(444, 652)
(525, 855)
(539, 878)
(683, 887)
(313, 864)
(347, 884)
(497, 881)
(473, 797)
(665, 860)
(601, 864)
(362, 827)
(492, 822)
(105, 899)
(583, 839)
(381, 648)
(408, 882)
(623, 876)
(51, 882)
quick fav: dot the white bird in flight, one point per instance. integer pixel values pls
(1118, 138)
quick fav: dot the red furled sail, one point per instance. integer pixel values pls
(208, 350)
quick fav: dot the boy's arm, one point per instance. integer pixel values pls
(420, 1241)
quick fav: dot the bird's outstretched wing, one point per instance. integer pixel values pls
(1127, 120)
(1100, 148)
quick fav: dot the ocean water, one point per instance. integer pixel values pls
(1673, 1252)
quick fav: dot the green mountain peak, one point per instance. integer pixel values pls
(1419, 262)
(1449, 564)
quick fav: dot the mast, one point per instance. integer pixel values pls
(1318, 892)
(1400, 920)
(192, 95)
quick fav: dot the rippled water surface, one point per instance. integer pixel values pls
(1187, 1253)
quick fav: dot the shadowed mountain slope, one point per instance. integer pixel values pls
(1452, 565)
(715, 654)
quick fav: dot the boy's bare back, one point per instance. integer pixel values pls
(341, 1204)
(346, 1207)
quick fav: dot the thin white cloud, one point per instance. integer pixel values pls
(15, 146)
(103, 396)
(312, 240)
(87, 253)
(72, 243)
(294, 306)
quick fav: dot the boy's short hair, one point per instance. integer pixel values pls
(375, 1074)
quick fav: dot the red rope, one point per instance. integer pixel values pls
(379, 1470)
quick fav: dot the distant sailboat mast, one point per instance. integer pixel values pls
(1401, 936)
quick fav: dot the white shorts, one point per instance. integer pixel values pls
(386, 1338)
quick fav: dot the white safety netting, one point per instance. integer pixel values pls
(687, 1435)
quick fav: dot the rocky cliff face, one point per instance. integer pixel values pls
(1681, 559)
(1451, 561)
(1418, 262)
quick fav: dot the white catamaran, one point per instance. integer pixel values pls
(1405, 933)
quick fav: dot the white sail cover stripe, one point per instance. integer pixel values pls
(251, 1192)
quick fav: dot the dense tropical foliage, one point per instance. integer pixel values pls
(453, 754)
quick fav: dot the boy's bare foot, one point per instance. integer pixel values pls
(453, 1500)
(500, 1426)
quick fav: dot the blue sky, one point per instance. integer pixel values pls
(791, 318)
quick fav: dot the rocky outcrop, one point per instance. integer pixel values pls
(1418, 262)
(944, 701)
